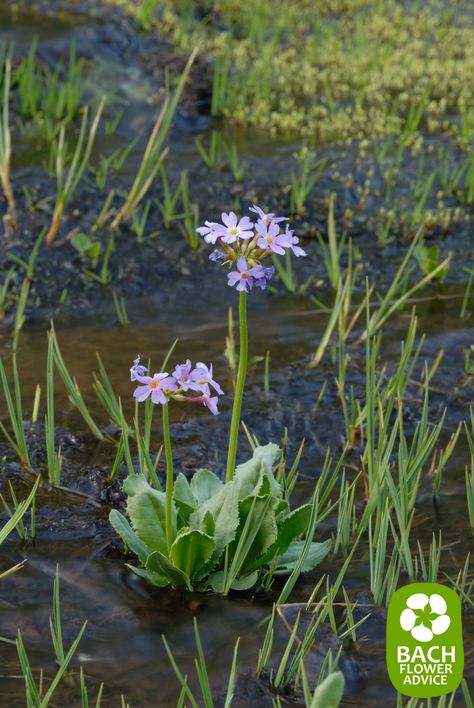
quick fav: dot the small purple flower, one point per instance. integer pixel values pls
(292, 241)
(268, 274)
(137, 369)
(243, 277)
(203, 377)
(266, 217)
(210, 402)
(270, 237)
(217, 255)
(155, 386)
(185, 377)
(234, 229)
(210, 231)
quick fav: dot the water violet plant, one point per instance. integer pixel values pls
(204, 533)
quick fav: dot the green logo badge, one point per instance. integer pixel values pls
(425, 654)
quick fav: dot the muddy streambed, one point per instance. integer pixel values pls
(122, 645)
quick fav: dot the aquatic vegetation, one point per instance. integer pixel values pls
(284, 68)
(15, 521)
(328, 692)
(209, 534)
(5, 140)
(168, 206)
(190, 214)
(203, 675)
(213, 535)
(15, 411)
(49, 98)
(66, 186)
(303, 181)
(41, 692)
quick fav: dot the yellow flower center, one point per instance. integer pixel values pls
(234, 232)
(155, 384)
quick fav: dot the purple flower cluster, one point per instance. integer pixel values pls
(245, 245)
(197, 381)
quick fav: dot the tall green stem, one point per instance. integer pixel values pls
(239, 388)
(169, 477)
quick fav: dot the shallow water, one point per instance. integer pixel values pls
(122, 645)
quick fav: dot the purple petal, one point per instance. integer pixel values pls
(233, 278)
(277, 249)
(141, 393)
(273, 229)
(256, 272)
(157, 396)
(211, 404)
(143, 379)
(242, 285)
(245, 224)
(242, 265)
(169, 383)
(298, 251)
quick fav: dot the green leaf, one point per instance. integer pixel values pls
(285, 563)
(146, 510)
(81, 242)
(154, 578)
(209, 567)
(189, 496)
(245, 582)
(295, 524)
(223, 506)
(249, 476)
(128, 535)
(263, 519)
(208, 525)
(161, 565)
(329, 693)
(204, 485)
(282, 509)
(217, 582)
(183, 496)
(191, 550)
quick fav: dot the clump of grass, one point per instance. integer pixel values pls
(72, 387)
(303, 179)
(202, 675)
(15, 520)
(40, 693)
(13, 399)
(66, 185)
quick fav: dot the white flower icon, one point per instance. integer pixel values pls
(425, 617)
